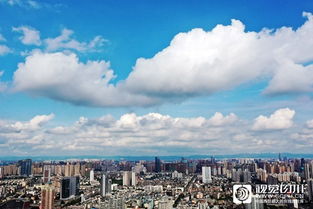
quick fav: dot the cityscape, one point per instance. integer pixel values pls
(156, 104)
(182, 184)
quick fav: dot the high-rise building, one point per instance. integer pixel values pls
(246, 176)
(25, 167)
(310, 189)
(302, 162)
(1, 172)
(105, 185)
(92, 176)
(206, 175)
(308, 170)
(47, 197)
(83, 170)
(69, 187)
(134, 179)
(58, 170)
(157, 163)
(177, 175)
(77, 169)
(67, 170)
(46, 175)
(127, 175)
(237, 175)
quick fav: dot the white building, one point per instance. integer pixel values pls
(177, 175)
(105, 185)
(92, 176)
(1, 172)
(155, 188)
(134, 179)
(129, 178)
(206, 175)
(127, 175)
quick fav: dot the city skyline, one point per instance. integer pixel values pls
(124, 78)
(148, 184)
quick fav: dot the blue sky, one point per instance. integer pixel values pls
(122, 32)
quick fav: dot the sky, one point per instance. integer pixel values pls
(155, 77)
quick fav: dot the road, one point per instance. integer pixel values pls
(186, 188)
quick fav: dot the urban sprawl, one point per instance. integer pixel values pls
(159, 184)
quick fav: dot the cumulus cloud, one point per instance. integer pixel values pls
(24, 126)
(204, 62)
(195, 63)
(65, 41)
(63, 77)
(34, 123)
(152, 133)
(159, 121)
(219, 119)
(280, 119)
(30, 36)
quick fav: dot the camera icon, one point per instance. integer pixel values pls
(242, 194)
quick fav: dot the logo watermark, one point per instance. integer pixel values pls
(264, 193)
(242, 193)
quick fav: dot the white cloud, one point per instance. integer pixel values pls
(62, 77)
(4, 50)
(2, 37)
(280, 119)
(34, 4)
(20, 129)
(22, 3)
(309, 123)
(195, 63)
(65, 41)
(204, 62)
(219, 119)
(30, 35)
(34, 123)
(12, 2)
(152, 133)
